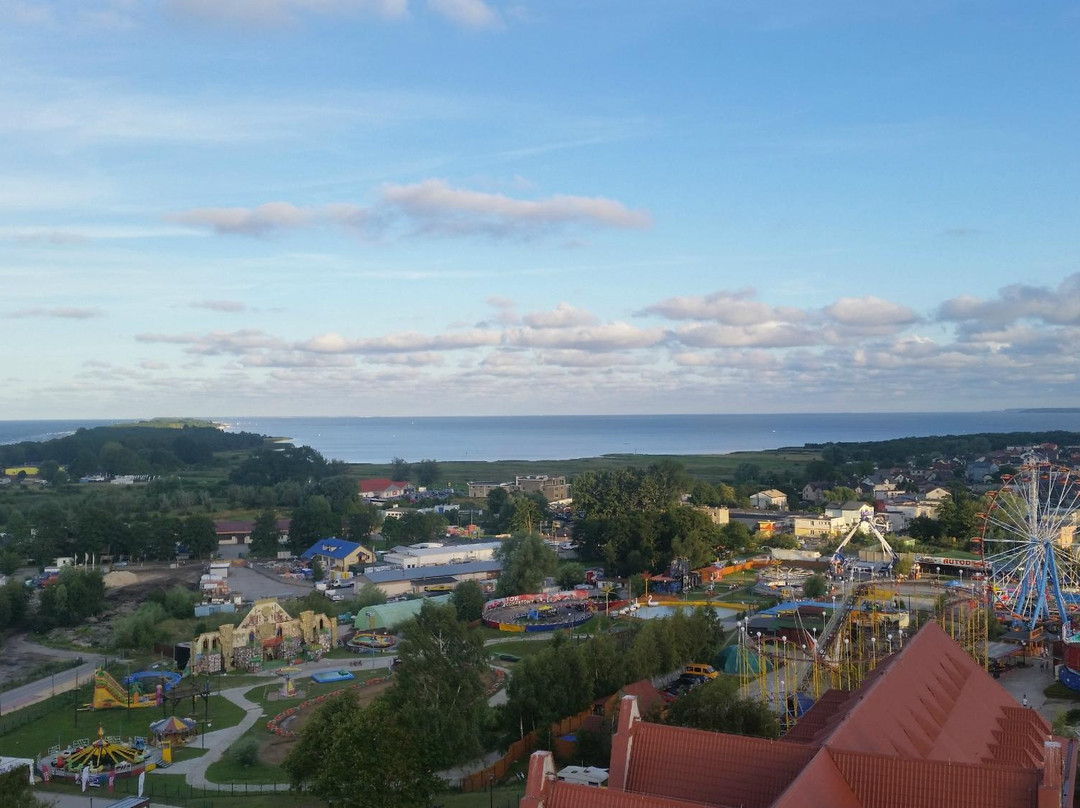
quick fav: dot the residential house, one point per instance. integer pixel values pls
(480, 489)
(981, 471)
(337, 555)
(770, 499)
(718, 516)
(816, 492)
(850, 513)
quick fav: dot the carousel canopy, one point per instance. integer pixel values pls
(173, 726)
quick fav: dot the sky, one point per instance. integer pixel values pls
(455, 207)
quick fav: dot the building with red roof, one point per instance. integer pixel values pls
(383, 488)
(928, 728)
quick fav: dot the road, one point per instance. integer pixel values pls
(48, 686)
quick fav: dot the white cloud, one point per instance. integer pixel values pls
(564, 316)
(1060, 306)
(219, 305)
(609, 337)
(870, 312)
(437, 207)
(259, 221)
(277, 12)
(469, 13)
(60, 313)
(431, 207)
(763, 335)
(728, 307)
(402, 343)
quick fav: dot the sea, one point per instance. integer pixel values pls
(558, 437)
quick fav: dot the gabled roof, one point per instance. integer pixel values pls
(380, 484)
(712, 768)
(772, 493)
(644, 692)
(339, 549)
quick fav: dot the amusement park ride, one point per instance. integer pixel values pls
(1028, 578)
(840, 562)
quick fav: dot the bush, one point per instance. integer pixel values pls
(141, 629)
(245, 752)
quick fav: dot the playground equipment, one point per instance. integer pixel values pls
(840, 562)
(108, 693)
(102, 753)
(368, 640)
(1027, 539)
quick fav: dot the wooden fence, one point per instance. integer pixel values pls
(519, 749)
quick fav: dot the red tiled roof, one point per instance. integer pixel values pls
(818, 782)
(380, 484)
(645, 693)
(883, 781)
(705, 767)
(933, 702)
(572, 795)
(231, 526)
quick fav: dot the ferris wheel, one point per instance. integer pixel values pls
(1028, 530)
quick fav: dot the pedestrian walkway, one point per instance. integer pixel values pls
(218, 742)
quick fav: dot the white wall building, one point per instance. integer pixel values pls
(433, 554)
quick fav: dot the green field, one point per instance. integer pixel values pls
(712, 468)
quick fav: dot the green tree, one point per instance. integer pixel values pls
(468, 601)
(363, 519)
(10, 561)
(440, 694)
(815, 586)
(311, 522)
(570, 575)
(317, 571)
(379, 762)
(526, 562)
(525, 516)
(264, 535)
(716, 706)
(15, 791)
(427, 473)
(199, 536)
(400, 469)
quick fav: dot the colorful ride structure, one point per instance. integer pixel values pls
(104, 752)
(1027, 539)
(141, 689)
(367, 640)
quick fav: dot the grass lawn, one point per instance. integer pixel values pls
(188, 752)
(503, 796)
(519, 648)
(1059, 691)
(61, 726)
(170, 789)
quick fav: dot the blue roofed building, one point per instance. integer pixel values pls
(337, 555)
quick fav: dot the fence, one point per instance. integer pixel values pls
(519, 749)
(161, 791)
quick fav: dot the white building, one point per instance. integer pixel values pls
(431, 554)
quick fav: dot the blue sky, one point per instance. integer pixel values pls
(377, 207)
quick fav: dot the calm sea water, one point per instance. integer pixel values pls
(377, 440)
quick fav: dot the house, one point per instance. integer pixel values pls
(769, 500)
(851, 512)
(928, 727)
(718, 516)
(337, 555)
(981, 472)
(822, 527)
(382, 488)
(238, 531)
(936, 494)
(816, 492)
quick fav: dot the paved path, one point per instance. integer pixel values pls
(48, 686)
(217, 743)
(60, 800)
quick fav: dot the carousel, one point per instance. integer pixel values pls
(104, 752)
(173, 731)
